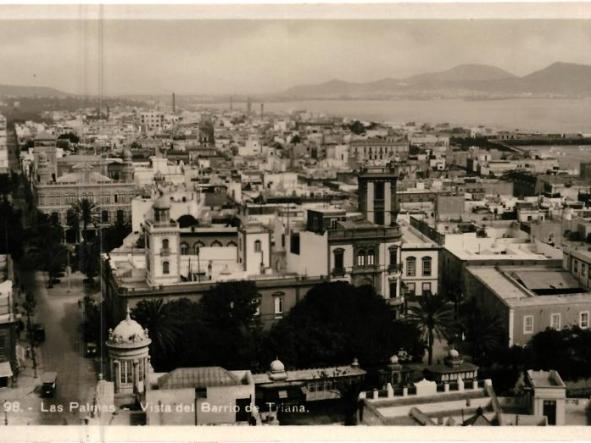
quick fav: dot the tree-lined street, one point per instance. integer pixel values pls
(62, 352)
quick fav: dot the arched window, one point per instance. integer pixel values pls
(184, 248)
(231, 243)
(361, 257)
(338, 264)
(371, 257)
(216, 244)
(165, 243)
(197, 246)
(165, 267)
(427, 266)
(411, 266)
(257, 246)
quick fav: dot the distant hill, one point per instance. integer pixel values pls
(30, 91)
(557, 79)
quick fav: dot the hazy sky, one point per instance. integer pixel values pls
(222, 57)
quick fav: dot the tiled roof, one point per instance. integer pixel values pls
(210, 376)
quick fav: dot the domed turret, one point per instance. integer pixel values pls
(453, 358)
(128, 331)
(129, 358)
(277, 370)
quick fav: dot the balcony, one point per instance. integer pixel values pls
(366, 269)
(338, 272)
(395, 270)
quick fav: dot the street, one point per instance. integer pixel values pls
(62, 352)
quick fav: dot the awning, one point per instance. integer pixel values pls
(5, 369)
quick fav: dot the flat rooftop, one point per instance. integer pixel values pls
(545, 379)
(513, 284)
(474, 248)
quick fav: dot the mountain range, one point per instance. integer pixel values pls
(469, 80)
(558, 79)
(30, 91)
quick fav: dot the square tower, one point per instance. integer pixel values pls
(377, 198)
(162, 246)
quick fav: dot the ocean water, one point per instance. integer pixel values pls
(531, 114)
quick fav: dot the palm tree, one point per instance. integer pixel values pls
(164, 329)
(85, 210)
(484, 331)
(73, 221)
(434, 316)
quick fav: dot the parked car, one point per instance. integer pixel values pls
(49, 384)
(90, 349)
(38, 332)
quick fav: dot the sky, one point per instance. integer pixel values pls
(214, 57)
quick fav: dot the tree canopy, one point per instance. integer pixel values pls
(567, 350)
(337, 322)
(221, 329)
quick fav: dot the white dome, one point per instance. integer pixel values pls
(277, 366)
(128, 331)
(394, 359)
(453, 353)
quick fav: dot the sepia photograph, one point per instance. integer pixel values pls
(277, 216)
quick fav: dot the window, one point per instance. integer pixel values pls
(393, 256)
(425, 288)
(338, 260)
(371, 257)
(411, 267)
(216, 244)
(583, 270)
(575, 266)
(278, 304)
(555, 321)
(528, 324)
(379, 217)
(119, 216)
(379, 190)
(410, 288)
(294, 244)
(257, 246)
(196, 247)
(184, 248)
(427, 266)
(361, 258)
(165, 243)
(165, 267)
(231, 244)
(584, 320)
(105, 216)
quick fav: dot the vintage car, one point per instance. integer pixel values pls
(49, 384)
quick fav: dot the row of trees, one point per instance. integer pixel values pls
(333, 324)
(45, 247)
